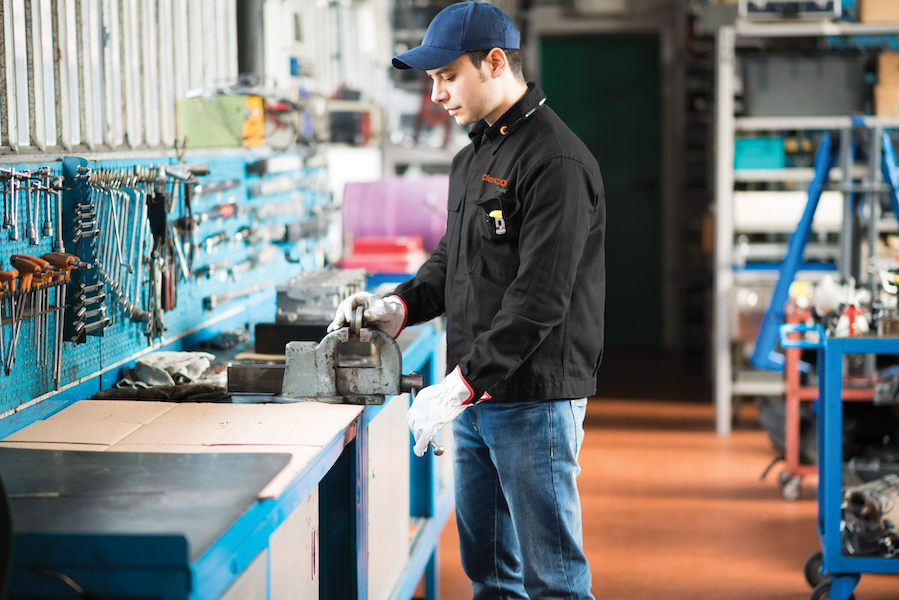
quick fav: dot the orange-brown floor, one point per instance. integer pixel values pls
(673, 511)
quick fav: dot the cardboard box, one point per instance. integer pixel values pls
(886, 100)
(888, 67)
(878, 11)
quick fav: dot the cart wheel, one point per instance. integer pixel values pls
(813, 573)
(822, 591)
(790, 486)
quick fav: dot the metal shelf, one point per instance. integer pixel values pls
(726, 126)
(812, 123)
(794, 174)
(744, 28)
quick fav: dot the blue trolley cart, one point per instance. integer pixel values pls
(833, 574)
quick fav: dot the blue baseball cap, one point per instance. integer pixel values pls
(457, 29)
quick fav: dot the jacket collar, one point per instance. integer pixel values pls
(514, 118)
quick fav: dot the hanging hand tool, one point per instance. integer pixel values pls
(26, 268)
(220, 211)
(8, 285)
(211, 242)
(40, 303)
(65, 263)
(91, 329)
(206, 189)
(14, 206)
(56, 190)
(85, 301)
(162, 282)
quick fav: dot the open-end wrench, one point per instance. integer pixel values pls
(83, 315)
(85, 233)
(87, 289)
(87, 329)
(84, 301)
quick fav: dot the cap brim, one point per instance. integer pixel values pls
(425, 58)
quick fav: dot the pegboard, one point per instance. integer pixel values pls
(223, 230)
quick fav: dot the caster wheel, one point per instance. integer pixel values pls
(813, 573)
(822, 592)
(790, 486)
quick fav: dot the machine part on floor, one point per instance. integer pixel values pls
(353, 365)
(870, 515)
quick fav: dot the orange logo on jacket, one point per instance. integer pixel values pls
(499, 182)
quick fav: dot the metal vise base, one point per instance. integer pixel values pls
(317, 372)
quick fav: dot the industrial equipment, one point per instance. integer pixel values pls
(353, 365)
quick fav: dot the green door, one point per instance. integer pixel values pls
(607, 89)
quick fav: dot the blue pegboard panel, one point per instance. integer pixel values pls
(250, 232)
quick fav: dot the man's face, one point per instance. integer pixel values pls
(465, 91)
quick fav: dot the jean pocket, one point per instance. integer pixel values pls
(578, 414)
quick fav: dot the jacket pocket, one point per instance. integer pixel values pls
(499, 218)
(497, 225)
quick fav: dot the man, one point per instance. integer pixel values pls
(520, 276)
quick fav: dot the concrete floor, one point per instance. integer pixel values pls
(673, 511)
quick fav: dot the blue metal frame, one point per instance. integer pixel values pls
(764, 356)
(844, 570)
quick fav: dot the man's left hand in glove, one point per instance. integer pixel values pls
(437, 405)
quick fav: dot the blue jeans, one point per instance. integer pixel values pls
(517, 504)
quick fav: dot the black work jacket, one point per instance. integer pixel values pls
(523, 290)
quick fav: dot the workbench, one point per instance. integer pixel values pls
(240, 500)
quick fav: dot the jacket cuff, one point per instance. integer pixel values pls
(471, 392)
(405, 315)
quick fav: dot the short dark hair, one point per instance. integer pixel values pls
(513, 55)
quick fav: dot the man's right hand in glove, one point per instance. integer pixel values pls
(387, 314)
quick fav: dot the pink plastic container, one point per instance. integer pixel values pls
(397, 206)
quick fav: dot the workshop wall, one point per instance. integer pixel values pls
(250, 224)
(112, 115)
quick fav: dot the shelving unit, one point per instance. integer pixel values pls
(732, 382)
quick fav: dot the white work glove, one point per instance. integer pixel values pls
(435, 406)
(387, 314)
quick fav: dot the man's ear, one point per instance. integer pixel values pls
(497, 62)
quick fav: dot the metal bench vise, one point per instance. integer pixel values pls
(353, 365)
